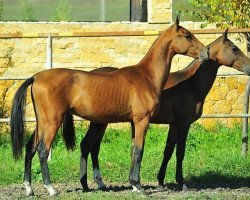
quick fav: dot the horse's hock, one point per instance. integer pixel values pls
(24, 53)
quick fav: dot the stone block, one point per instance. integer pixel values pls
(223, 107)
(232, 83)
(232, 95)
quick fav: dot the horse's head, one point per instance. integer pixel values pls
(225, 52)
(185, 43)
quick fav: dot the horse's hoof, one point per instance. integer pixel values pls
(102, 188)
(55, 194)
(137, 187)
(159, 188)
(29, 190)
(139, 190)
(184, 188)
(86, 189)
(30, 194)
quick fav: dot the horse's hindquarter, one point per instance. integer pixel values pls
(50, 92)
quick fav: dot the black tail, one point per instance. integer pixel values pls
(17, 114)
(68, 131)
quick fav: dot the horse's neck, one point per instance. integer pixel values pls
(204, 77)
(157, 62)
(179, 76)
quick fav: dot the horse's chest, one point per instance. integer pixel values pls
(188, 107)
(195, 111)
(144, 105)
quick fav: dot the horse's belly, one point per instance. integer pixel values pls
(107, 118)
(103, 115)
(158, 119)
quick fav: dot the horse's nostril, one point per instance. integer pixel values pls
(208, 53)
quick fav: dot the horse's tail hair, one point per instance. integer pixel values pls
(68, 131)
(17, 115)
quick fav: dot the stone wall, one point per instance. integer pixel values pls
(28, 56)
(159, 11)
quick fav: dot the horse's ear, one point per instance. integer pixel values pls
(177, 20)
(225, 34)
(176, 23)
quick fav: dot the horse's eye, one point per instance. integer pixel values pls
(235, 48)
(189, 37)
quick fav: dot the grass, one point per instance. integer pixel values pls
(212, 156)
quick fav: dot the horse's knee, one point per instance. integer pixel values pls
(42, 151)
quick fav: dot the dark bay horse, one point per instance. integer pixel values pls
(58, 93)
(181, 104)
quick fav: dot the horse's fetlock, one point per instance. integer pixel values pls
(136, 185)
(51, 190)
(29, 190)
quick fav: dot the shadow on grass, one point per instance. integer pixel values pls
(210, 180)
(213, 180)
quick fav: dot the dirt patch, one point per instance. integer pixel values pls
(122, 191)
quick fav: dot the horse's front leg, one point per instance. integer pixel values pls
(180, 153)
(168, 151)
(140, 128)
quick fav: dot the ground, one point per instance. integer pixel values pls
(123, 191)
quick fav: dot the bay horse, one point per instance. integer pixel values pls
(181, 104)
(59, 93)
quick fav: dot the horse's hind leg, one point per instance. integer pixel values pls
(43, 148)
(30, 152)
(180, 153)
(94, 157)
(93, 135)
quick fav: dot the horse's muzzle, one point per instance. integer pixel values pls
(246, 70)
(204, 55)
